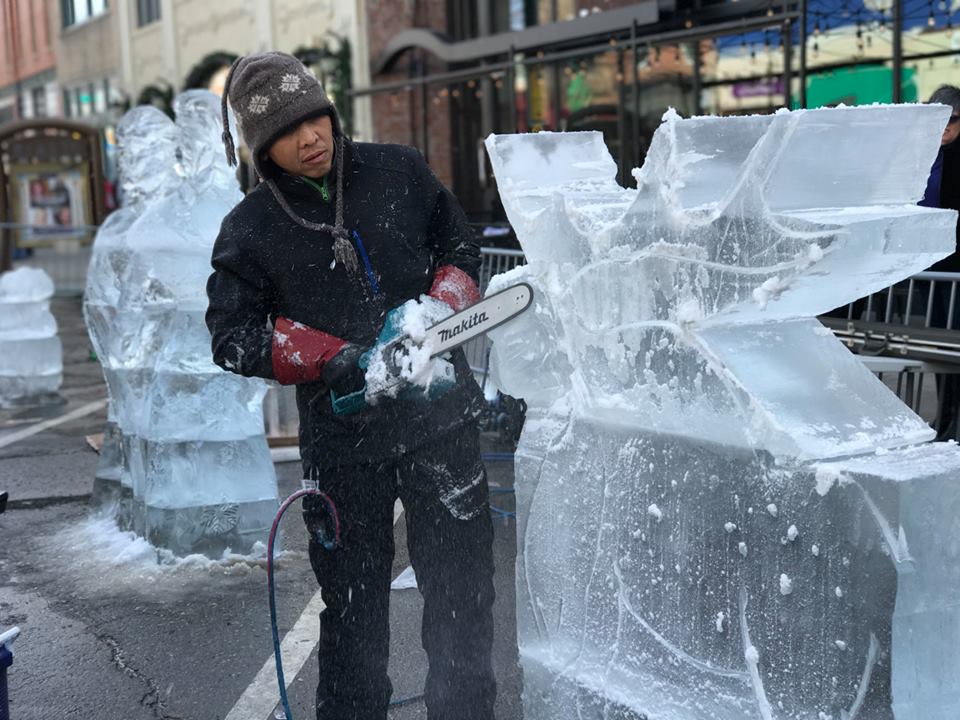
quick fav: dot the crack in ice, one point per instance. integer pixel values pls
(753, 661)
(701, 665)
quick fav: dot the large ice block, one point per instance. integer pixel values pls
(721, 514)
(147, 145)
(31, 355)
(200, 472)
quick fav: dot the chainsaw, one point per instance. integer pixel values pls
(394, 349)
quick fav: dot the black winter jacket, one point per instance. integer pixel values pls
(950, 199)
(265, 265)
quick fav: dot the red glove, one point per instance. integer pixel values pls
(300, 352)
(454, 287)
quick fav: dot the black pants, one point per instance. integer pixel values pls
(453, 561)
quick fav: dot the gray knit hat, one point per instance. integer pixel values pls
(270, 93)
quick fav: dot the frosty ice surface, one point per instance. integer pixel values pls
(197, 474)
(147, 143)
(721, 513)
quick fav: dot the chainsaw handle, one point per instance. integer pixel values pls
(349, 404)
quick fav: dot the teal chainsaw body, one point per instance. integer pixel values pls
(440, 338)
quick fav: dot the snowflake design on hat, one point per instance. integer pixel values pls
(290, 82)
(258, 104)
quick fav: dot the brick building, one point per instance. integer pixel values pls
(446, 73)
(28, 86)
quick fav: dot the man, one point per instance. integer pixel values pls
(943, 191)
(306, 269)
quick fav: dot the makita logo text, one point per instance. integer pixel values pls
(464, 325)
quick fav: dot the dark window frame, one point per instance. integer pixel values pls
(148, 11)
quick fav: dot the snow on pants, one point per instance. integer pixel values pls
(452, 557)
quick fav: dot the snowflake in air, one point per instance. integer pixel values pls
(258, 104)
(289, 82)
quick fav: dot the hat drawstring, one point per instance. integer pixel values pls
(227, 137)
(343, 251)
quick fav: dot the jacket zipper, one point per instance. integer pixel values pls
(371, 276)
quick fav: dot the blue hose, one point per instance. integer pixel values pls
(327, 543)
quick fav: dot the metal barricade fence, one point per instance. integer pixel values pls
(493, 262)
(928, 299)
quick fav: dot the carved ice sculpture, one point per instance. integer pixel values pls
(202, 478)
(147, 144)
(31, 355)
(722, 514)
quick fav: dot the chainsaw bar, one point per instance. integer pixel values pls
(478, 319)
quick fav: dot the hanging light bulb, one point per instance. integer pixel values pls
(816, 24)
(931, 21)
(883, 19)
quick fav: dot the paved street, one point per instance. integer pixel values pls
(110, 633)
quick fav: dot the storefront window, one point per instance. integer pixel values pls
(744, 74)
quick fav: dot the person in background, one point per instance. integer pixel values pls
(943, 191)
(307, 269)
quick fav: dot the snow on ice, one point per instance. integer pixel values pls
(674, 371)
